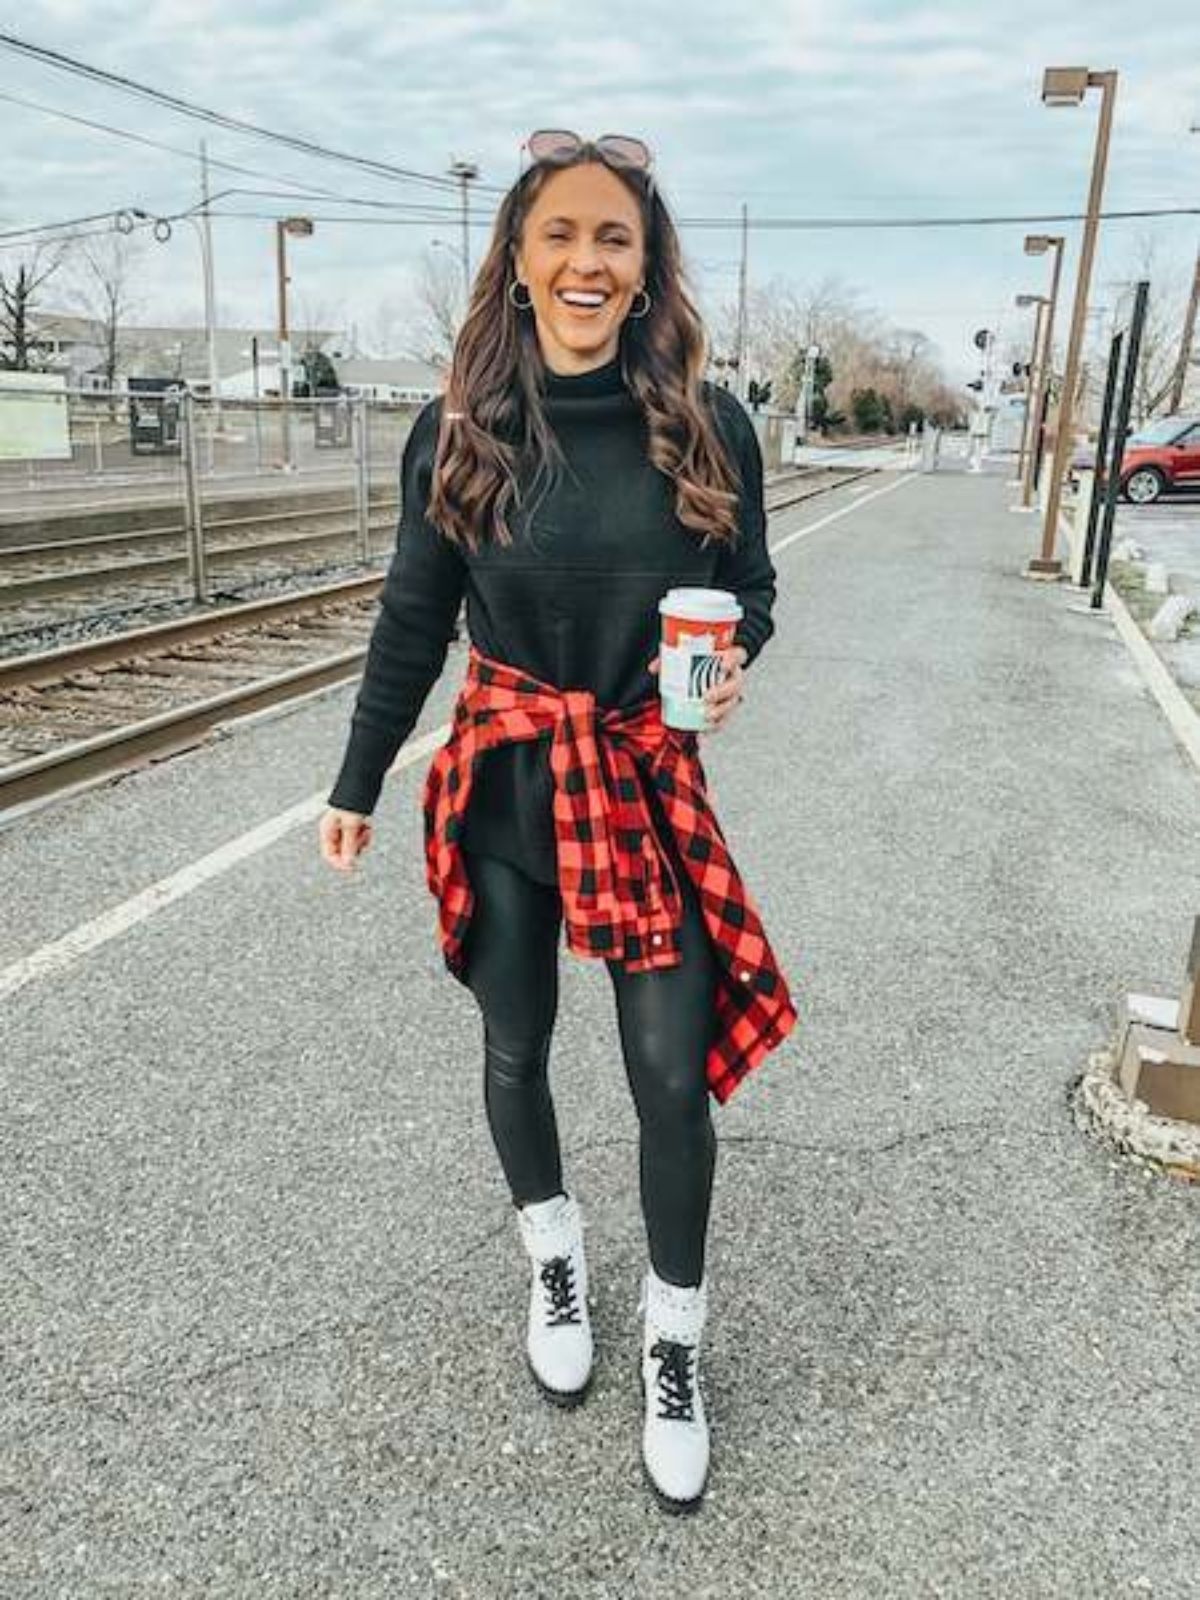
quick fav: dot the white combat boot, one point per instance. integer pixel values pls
(559, 1335)
(675, 1434)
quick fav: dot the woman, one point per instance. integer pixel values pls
(577, 467)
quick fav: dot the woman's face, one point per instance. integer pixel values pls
(583, 233)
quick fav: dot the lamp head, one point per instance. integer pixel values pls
(1064, 86)
(299, 227)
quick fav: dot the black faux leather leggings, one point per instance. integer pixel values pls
(666, 1021)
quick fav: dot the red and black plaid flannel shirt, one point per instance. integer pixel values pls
(619, 894)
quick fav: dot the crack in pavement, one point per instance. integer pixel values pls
(154, 1381)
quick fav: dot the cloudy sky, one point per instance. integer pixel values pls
(800, 109)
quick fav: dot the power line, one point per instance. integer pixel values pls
(810, 224)
(50, 227)
(834, 224)
(408, 214)
(159, 144)
(188, 108)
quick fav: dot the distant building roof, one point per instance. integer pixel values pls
(396, 373)
(176, 351)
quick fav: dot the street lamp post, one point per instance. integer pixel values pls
(300, 228)
(1066, 86)
(1039, 244)
(1041, 301)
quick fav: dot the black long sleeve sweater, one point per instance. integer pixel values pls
(574, 599)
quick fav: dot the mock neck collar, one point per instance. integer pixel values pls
(602, 380)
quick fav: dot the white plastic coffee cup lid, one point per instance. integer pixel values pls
(701, 605)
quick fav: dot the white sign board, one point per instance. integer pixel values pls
(34, 425)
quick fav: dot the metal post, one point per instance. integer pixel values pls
(1113, 483)
(359, 419)
(193, 510)
(1046, 563)
(1110, 390)
(1031, 378)
(1045, 373)
(285, 348)
(1179, 377)
(257, 406)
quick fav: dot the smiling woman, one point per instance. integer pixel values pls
(561, 798)
(583, 260)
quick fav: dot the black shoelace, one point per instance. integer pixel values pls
(676, 1385)
(558, 1277)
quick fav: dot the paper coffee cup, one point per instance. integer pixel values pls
(696, 624)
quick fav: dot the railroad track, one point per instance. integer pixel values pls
(83, 713)
(36, 570)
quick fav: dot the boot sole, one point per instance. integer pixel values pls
(677, 1508)
(564, 1399)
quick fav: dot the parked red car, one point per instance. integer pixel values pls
(1162, 456)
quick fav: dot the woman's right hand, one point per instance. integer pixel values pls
(343, 835)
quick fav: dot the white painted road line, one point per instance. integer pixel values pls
(823, 522)
(61, 953)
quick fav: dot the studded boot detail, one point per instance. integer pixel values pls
(558, 1333)
(675, 1446)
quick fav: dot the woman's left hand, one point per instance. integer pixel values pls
(723, 698)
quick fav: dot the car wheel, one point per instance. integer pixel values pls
(1144, 485)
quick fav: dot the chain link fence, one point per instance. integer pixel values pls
(267, 484)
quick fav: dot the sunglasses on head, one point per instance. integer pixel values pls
(560, 144)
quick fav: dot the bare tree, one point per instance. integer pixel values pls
(438, 293)
(863, 350)
(104, 292)
(21, 348)
(386, 326)
(1165, 309)
(313, 319)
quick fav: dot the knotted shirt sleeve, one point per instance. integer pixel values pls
(745, 567)
(419, 605)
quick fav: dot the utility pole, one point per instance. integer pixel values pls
(210, 297)
(1185, 342)
(466, 172)
(740, 386)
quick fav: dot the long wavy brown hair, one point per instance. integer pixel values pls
(493, 425)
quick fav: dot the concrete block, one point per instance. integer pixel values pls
(1167, 622)
(1158, 1068)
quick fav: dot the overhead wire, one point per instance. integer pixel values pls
(160, 144)
(188, 108)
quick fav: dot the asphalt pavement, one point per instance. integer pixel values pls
(263, 1294)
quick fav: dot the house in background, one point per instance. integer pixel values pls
(72, 345)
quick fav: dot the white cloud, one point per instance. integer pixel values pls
(795, 106)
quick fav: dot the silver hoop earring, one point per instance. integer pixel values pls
(521, 305)
(638, 315)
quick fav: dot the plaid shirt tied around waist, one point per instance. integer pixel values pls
(618, 887)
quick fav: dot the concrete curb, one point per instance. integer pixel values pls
(1178, 710)
(1103, 1109)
